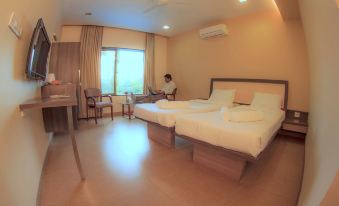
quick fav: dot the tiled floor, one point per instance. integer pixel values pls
(123, 167)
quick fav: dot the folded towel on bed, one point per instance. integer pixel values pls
(242, 114)
(165, 104)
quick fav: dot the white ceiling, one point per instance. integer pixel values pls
(130, 14)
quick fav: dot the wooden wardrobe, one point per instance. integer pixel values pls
(65, 64)
(65, 61)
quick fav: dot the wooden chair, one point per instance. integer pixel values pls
(94, 101)
(172, 95)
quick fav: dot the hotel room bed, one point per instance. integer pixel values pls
(227, 146)
(246, 137)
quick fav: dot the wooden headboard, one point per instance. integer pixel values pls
(245, 88)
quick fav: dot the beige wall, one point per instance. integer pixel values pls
(321, 23)
(122, 38)
(112, 37)
(23, 142)
(70, 34)
(261, 45)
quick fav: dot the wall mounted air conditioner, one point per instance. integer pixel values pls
(214, 31)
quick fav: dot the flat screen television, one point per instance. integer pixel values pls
(38, 53)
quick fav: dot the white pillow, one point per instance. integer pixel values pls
(266, 101)
(226, 97)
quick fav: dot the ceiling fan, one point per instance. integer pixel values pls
(162, 3)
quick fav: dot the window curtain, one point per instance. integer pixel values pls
(149, 80)
(90, 54)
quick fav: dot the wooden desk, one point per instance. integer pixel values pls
(42, 103)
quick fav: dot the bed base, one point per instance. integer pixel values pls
(160, 134)
(229, 163)
(223, 162)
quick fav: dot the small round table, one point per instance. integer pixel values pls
(129, 112)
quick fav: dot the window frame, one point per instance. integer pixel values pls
(116, 65)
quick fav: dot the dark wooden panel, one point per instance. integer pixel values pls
(65, 61)
(225, 163)
(288, 133)
(302, 120)
(65, 64)
(160, 134)
(63, 89)
(55, 119)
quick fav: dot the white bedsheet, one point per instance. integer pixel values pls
(246, 137)
(167, 117)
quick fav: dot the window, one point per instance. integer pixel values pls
(122, 70)
(107, 71)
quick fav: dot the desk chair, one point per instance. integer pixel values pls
(94, 101)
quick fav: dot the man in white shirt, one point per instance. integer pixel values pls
(169, 86)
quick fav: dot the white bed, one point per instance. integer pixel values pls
(167, 117)
(245, 137)
(225, 145)
(161, 122)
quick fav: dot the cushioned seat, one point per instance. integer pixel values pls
(100, 104)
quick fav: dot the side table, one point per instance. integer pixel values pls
(129, 111)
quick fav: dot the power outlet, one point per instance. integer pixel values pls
(297, 114)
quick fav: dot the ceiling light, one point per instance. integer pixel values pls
(242, 1)
(166, 27)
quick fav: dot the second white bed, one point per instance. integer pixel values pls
(245, 137)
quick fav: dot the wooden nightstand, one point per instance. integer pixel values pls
(295, 125)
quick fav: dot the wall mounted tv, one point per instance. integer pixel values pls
(38, 53)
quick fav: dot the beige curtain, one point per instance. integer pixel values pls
(149, 79)
(90, 53)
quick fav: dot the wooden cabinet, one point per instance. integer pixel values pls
(55, 119)
(295, 125)
(65, 64)
(65, 61)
